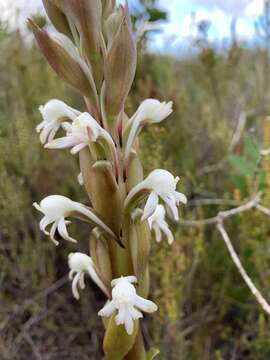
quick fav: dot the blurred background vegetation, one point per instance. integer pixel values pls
(212, 140)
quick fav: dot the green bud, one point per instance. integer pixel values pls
(57, 18)
(144, 285)
(112, 25)
(100, 255)
(139, 242)
(134, 171)
(104, 192)
(87, 17)
(108, 7)
(117, 343)
(86, 163)
(65, 61)
(119, 69)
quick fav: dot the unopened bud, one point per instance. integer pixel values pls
(104, 191)
(65, 61)
(117, 343)
(57, 17)
(108, 7)
(87, 16)
(140, 241)
(120, 67)
(100, 255)
(112, 25)
(134, 171)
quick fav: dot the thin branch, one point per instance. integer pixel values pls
(222, 215)
(261, 300)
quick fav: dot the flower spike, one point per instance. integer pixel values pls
(151, 111)
(55, 113)
(127, 303)
(80, 264)
(56, 208)
(158, 223)
(160, 183)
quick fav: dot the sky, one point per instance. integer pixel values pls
(179, 28)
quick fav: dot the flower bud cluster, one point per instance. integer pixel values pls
(94, 51)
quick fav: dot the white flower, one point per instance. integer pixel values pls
(160, 183)
(158, 223)
(150, 111)
(54, 113)
(83, 130)
(80, 264)
(127, 303)
(56, 208)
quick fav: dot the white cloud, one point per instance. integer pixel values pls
(235, 7)
(191, 22)
(254, 8)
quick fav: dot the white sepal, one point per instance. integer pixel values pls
(158, 223)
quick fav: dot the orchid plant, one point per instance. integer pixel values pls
(93, 50)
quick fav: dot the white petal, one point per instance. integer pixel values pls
(170, 202)
(62, 143)
(165, 228)
(132, 135)
(145, 305)
(44, 223)
(120, 317)
(74, 286)
(158, 234)
(128, 323)
(108, 309)
(136, 314)
(150, 206)
(52, 233)
(180, 197)
(52, 133)
(71, 274)
(63, 230)
(81, 280)
(77, 148)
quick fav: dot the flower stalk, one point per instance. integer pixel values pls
(94, 51)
